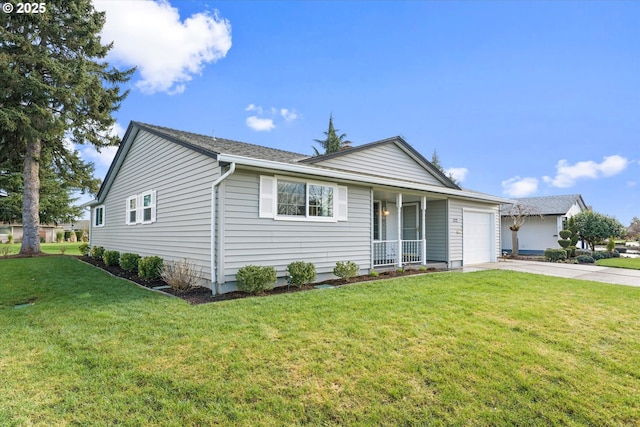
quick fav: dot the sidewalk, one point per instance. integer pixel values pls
(619, 276)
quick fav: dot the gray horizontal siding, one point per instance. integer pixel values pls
(182, 180)
(384, 160)
(437, 230)
(249, 239)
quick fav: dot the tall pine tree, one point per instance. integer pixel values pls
(332, 142)
(56, 85)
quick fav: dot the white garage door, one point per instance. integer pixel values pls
(477, 239)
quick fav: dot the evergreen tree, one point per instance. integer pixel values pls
(435, 161)
(56, 85)
(332, 142)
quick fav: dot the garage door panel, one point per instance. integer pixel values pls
(477, 239)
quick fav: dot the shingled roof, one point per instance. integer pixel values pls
(548, 205)
(215, 145)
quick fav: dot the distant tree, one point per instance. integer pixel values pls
(435, 161)
(332, 142)
(594, 227)
(518, 213)
(55, 86)
(633, 231)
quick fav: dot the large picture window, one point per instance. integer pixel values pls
(283, 198)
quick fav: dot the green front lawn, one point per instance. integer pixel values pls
(632, 263)
(48, 248)
(486, 348)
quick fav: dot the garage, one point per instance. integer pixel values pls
(477, 240)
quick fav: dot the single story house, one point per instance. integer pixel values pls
(47, 232)
(225, 204)
(541, 229)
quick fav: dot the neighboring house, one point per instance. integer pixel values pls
(225, 204)
(47, 232)
(540, 230)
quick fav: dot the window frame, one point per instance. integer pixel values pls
(151, 207)
(306, 217)
(102, 216)
(139, 208)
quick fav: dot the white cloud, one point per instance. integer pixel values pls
(520, 187)
(252, 107)
(567, 174)
(288, 115)
(166, 50)
(259, 124)
(459, 174)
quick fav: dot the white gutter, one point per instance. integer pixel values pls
(356, 177)
(214, 275)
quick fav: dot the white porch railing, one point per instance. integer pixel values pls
(385, 252)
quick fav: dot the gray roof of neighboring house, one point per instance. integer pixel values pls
(549, 205)
(215, 145)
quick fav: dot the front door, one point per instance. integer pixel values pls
(410, 222)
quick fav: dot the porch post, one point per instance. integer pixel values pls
(423, 205)
(399, 206)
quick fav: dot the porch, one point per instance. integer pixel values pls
(400, 230)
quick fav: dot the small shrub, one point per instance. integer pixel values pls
(181, 275)
(84, 249)
(150, 267)
(10, 238)
(422, 268)
(78, 235)
(255, 279)
(599, 255)
(5, 250)
(565, 234)
(585, 259)
(129, 261)
(374, 273)
(346, 270)
(611, 244)
(59, 236)
(301, 272)
(63, 249)
(583, 252)
(97, 252)
(400, 270)
(555, 255)
(614, 254)
(111, 257)
(67, 235)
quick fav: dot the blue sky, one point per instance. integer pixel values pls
(519, 99)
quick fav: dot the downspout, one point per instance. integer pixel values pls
(214, 275)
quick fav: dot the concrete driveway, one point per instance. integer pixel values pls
(619, 276)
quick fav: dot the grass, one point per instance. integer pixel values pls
(48, 248)
(486, 348)
(632, 263)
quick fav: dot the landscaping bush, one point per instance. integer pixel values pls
(585, 259)
(255, 279)
(97, 252)
(84, 249)
(583, 252)
(611, 244)
(150, 267)
(67, 235)
(59, 236)
(129, 261)
(346, 270)
(374, 273)
(599, 255)
(111, 257)
(301, 272)
(10, 236)
(614, 254)
(555, 255)
(181, 275)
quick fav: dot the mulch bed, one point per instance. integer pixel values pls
(203, 295)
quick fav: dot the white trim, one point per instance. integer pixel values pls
(95, 216)
(128, 210)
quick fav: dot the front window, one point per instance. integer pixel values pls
(304, 200)
(132, 210)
